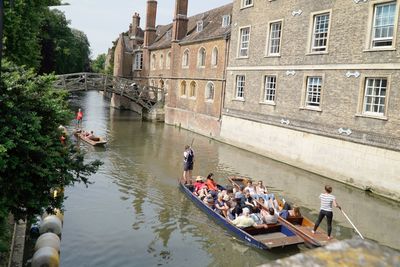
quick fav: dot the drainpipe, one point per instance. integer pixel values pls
(227, 46)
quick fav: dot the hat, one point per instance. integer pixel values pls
(199, 178)
(246, 211)
(226, 198)
(209, 199)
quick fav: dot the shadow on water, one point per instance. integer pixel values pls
(135, 215)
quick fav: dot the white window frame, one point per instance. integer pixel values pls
(214, 57)
(209, 93)
(269, 38)
(185, 58)
(199, 27)
(226, 21)
(201, 57)
(394, 25)
(138, 61)
(313, 32)
(382, 100)
(269, 90)
(246, 3)
(240, 85)
(244, 45)
(310, 91)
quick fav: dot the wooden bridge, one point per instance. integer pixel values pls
(147, 97)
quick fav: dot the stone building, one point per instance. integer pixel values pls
(128, 54)
(188, 58)
(316, 84)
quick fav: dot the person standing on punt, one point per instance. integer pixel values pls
(327, 200)
(79, 117)
(188, 160)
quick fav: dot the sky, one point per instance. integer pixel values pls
(103, 20)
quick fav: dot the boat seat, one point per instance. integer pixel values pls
(295, 219)
(276, 227)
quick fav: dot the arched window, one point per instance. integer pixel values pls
(183, 88)
(161, 63)
(210, 91)
(214, 57)
(201, 61)
(168, 61)
(153, 62)
(185, 58)
(193, 86)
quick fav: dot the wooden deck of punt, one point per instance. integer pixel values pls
(301, 225)
(275, 236)
(92, 142)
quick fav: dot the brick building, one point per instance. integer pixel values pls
(188, 58)
(316, 84)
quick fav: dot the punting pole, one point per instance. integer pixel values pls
(352, 224)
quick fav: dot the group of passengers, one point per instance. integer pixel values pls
(242, 206)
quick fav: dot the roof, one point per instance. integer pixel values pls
(212, 28)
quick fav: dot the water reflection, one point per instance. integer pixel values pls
(135, 215)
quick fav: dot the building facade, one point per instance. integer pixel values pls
(188, 58)
(316, 84)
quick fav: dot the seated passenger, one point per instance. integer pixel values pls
(262, 191)
(295, 212)
(209, 201)
(245, 220)
(237, 209)
(198, 184)
(250, 187)
(249, 201)
(270, 216)
(212, 185)
(221, 206)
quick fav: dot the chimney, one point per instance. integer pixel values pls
(150, 31)
(135, 24)
(180, 25)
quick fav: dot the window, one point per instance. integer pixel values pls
(313, 93)
(183, 88)
(247, 3)
(199, 26)
(383, 24)
(240, 83)
(244, 42)
(161, 63)
(375, 96)
(319, 41)
(168, 61)
(214, 57)
(138, 61)
(153, 62)
(226, 21)
(269, 88)
(201, 60)
(185, 58)
(210, 90)
(192, 92)
(274, 42)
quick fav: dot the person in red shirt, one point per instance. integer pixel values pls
(79, 117)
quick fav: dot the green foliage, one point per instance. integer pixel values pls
(32, 159)
(98, 65)
(40, 38)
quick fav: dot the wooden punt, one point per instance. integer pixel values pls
(100, 142)
(275, 236)
(300, 225)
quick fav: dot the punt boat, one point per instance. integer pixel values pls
(300, 225)
(99, 141)
(275, 236)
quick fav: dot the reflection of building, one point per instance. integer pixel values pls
(187, 57)
(315, 84)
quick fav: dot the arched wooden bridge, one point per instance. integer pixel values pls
(147, 97)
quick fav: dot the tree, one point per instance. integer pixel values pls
(98, 65)
(33, 161)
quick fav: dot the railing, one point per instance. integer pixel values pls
(146, 96)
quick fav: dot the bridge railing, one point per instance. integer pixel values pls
(146, 96)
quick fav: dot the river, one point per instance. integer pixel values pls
(135, 215)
